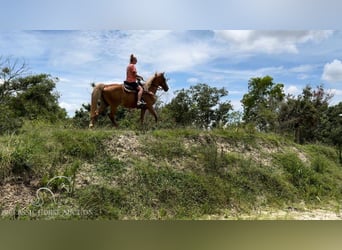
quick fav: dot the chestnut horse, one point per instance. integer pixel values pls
(114, 95)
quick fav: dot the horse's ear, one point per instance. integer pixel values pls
(163, 73)
(156, 74)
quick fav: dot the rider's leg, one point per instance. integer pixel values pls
(140, 92)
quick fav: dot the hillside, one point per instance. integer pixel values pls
(58, 172)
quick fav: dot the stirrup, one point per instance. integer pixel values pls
(141, 104)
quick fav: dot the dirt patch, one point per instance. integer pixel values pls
(286, 214)
(14, 194)
(124, 146)
(261, 153)
(300, 154)
(87, 175)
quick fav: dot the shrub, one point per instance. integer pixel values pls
(9, 121)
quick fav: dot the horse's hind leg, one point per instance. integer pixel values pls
(92, 121)
(97, 112)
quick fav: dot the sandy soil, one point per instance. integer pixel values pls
(286, 214)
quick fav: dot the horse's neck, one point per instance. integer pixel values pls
(153, 88)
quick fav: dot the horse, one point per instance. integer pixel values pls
(115, 95)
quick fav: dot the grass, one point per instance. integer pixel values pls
(183, 174)
(44, 150)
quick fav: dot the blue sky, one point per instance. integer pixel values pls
(220, 58)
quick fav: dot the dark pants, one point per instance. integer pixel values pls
(132, 85)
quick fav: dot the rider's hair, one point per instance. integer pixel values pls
(132, 58)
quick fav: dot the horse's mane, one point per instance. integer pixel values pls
(149, 81)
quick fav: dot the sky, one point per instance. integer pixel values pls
(223, 43)
(219, 58)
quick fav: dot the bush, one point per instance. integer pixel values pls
(310, 182)
(9, 121)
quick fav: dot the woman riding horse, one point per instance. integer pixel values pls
(114, 95)
(131, 78)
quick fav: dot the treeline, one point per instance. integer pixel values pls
(306, 117)
(27, 97)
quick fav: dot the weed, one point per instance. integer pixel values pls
(102, 201)
(180, 193)
(320, 164)
(168, 147)
(109, 167)
(213, 158)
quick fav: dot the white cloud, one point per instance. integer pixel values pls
(166, 51)
(246, 74)
(193, 80)
(332, 72)
(337, 96)
(109, 51)
(269, 41)
(303, 68)
(303, 71)
(292, 90)
(336, 92)
(237, 106)
(70, 107)
(20, 44)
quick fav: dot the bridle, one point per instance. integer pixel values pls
(158, 86)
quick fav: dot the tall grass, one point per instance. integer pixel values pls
(42, 149)
(184, 173)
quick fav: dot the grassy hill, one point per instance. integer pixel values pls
(59, 172)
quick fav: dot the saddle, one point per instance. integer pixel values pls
(129, 88)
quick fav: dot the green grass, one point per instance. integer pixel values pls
(45, 150)
(183, 174)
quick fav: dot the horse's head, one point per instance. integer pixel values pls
(161, 81)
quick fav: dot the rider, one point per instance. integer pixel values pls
(132, 76)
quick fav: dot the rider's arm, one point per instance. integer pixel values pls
(139, 77)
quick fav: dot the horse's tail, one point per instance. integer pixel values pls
(97, 102)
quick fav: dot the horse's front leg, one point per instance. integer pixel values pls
(142, 115)
(154, 113)
(111, 115)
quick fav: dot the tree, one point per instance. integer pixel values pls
(332, 128)
(201, 106)
(305, 114)
(9, 71)
(262, 102)
(35, 98)
(180, 108)
(26, 97)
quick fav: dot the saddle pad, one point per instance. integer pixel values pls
(129, 88)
